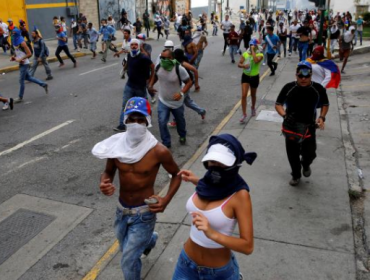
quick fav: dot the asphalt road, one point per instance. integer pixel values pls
(59, 165)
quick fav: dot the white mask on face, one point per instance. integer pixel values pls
(135, 133)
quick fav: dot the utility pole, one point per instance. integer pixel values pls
(221, 10)
(228, 8)
(322, 9)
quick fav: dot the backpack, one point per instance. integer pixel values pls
(46, 49)
(177, 71)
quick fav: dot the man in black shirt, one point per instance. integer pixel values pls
(305, 37)
(301, 99)
(140, 69)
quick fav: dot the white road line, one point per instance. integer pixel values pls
(97, 69)
(17, 147)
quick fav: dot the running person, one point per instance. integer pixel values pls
(250, 62)
(63, 46)
(221, 201)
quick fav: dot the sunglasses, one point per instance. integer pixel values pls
(301, 76)
(163, 58)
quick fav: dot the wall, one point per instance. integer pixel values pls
(90, 9)
(13, 9)
(181, 6)
(114, 8)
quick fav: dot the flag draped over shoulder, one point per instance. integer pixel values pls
(332, 67)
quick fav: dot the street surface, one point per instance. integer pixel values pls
(46, 167)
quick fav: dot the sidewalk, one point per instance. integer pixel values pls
(301, 233)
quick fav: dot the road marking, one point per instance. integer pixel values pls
(21, 145)
(101, 264)
(113, 250)
(97, 69)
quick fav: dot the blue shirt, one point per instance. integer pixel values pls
(274, 39)
(60, 42)
(94, 35)
(108, 32)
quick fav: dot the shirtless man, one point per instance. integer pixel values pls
(304, 40)
(138, 156)
(190, 48)
(201, 41)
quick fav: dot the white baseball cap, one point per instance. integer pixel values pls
(169, 44)
(221, 154)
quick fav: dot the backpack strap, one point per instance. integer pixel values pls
(177, 68)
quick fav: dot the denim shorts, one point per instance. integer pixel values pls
(187, 269)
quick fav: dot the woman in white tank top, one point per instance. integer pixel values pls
(220, 202)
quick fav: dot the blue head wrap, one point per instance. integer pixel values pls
(17, 37)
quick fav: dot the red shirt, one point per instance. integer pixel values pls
(233, 42)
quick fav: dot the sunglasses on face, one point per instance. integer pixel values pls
(301, 76)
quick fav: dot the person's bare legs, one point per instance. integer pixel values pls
(344, 63)
(245, 89)
(254, 97)
(4, 100)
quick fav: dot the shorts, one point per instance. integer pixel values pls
(344, 54)
(253, 81)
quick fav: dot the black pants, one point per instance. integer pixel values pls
(66, 50)
(226, 36)
(306, 150)
(159, 29)
(270, 63)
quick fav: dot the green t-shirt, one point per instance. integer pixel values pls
(254, 68)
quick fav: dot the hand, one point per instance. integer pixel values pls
(202, 223)
(246, 66)
(320, 123)
(12, 58)
(160, 206)
(152, 90)
(197, 88)
(19, 60)
(39, 59)
(188, 176)
(177, 96)
(106, 187)
(116, 54)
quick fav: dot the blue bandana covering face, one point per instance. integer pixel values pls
(17, 37)
(219, 183)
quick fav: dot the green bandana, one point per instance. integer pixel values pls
(168, 64)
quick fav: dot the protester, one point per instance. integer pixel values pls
(166, 26)
(233, 42)
(334, 36)
(140, 69)
(93, 38)
(305, 37)
(21, 55)
(138, 150)
(345, 46)
(108, 33)
(74, 34)
(250, 62)
(4, 34)
(138, 26)
(125, 50)
(294, 37)
(145, 48)
(359, 29)
(111, 22)
(201, 41)
(324, 71)
(41, 53)
(63, 46)
(313, 42)
(272, 43)
(282, 32)
(64, 25)
(190, 48)
(158, 24)
(220, 202)
(24, 31)
(302, 98)
(171, 96)
(226, 26)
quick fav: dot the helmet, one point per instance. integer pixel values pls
(253, 42)
(141, 37)
(169, 44)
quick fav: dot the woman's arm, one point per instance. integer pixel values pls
(241, 62)
(242, 207)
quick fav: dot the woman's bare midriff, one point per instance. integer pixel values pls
(214, 258)
(303, 38)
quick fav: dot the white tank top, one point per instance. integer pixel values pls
(19, 54)
(216, 218)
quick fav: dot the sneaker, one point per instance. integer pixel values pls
(18, 100)
(153, 99)
(61, 65)
(223, 53)
(203, 115)
(289, 53)
(242, 120)
(120, 128)
(6, 106)
(253, 112)
(306, 172)
(104, 60)
(46, 88)
(49, 78)
(241, 277)
(342, 72)
(294, 182)
(11, 101)
(232, 61)
(275, 66)
(172, 124)
(148, 250)
(75, 64)
(182, 140)
(272, 74)
(101, 52)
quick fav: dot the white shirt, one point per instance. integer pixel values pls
(64, 26)
(226, 25)
(5, 29)
(320, 75)
(178, 19)
(293, 28)
(19, 54)
(126, 47)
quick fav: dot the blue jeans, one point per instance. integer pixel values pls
(302, 48)
(187, 269)
(25, 75)
(357, 34)
(164, 116)
(198, 59)
(293, 44)
(233, 50)
(129, 92)
(134, 234)
(35, 64)
(75, 40)
(192, 105)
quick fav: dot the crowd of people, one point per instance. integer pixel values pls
(168, 80)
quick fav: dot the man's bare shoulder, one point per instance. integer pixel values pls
(160, 150)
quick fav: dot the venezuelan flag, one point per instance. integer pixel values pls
(332, 67)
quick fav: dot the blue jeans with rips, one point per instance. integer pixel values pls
(164, 116)
(25, 75)
(187, 269)
(128, 93)
(134, 234)
(302, 48)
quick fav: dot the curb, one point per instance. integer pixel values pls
(50, 59)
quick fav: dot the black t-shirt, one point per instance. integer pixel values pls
(304, 30)
(138, 70)
(302, 102)
(138, 27)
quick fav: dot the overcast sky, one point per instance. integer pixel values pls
(199, 3)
